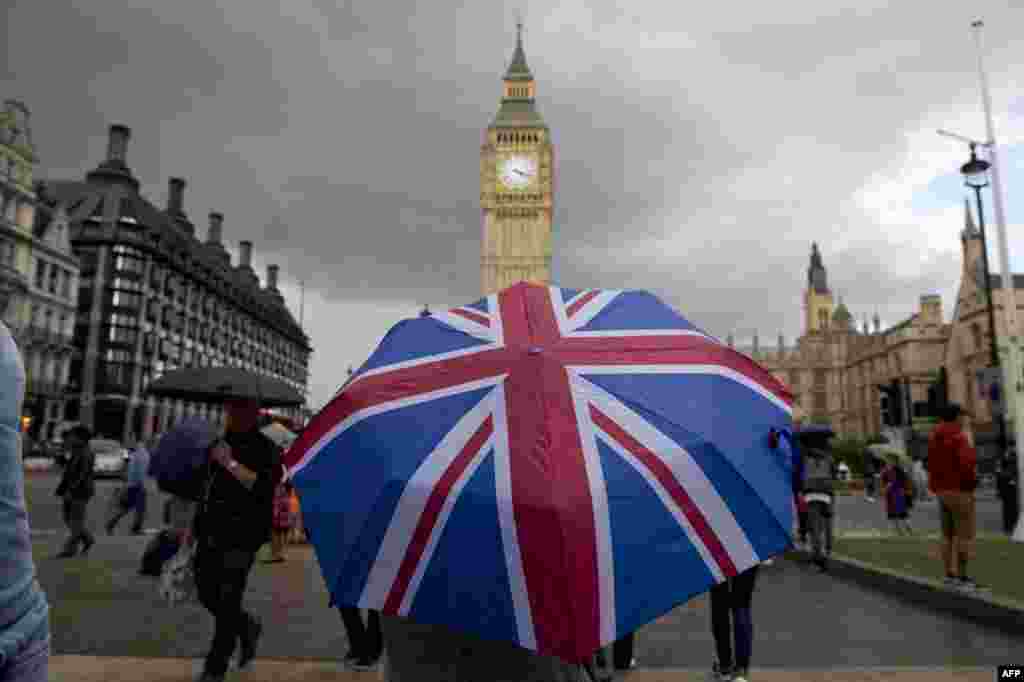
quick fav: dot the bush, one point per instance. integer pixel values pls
(851, 451)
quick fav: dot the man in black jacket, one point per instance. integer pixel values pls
(76, 488)
(233, 521)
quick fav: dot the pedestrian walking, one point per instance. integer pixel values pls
(233, 521)
(24, 612)
(869, 476)
(133, 495)
(732, 626)
(819, 491)
(366, 641)
(1007, 484)
(953, 478)
(77, 487)
(898, 498)
(920, 476)
(283, 521)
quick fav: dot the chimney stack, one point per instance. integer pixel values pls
(272, 277)
(216, 232)
(175, 195)
(117, 142)
(245, 254)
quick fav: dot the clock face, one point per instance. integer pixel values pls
(517, 172)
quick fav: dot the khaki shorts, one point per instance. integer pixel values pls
(958, 519)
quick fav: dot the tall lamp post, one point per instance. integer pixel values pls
(1013, 385)
(975, 174)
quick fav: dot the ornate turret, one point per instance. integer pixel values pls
(517, 108)
(818, 304)
(970, 231)
(817, 279)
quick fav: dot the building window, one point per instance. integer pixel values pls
(65, 288)
(88, 258)
(122, 335)
(125, 299)
(54, 275)
(40, 273)
(976, 335)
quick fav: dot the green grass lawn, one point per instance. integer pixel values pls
(997, 565)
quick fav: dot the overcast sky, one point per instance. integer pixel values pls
(700, 149)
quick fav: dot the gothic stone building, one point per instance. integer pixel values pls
(154, 298)
(844, 376)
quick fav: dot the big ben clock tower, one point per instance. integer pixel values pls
(516, 185)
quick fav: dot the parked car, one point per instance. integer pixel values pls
(111, 457)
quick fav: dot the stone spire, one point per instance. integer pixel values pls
(970, 231)
(517, 69)
(817, 278)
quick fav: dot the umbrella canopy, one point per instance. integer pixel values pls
(544, 466)
(179, 461)
(219, 384)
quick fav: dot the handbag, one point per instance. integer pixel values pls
(178, 577)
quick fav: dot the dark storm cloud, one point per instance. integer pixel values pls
(698, 153)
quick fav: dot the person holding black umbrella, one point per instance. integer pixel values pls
(233, 521)
(77, 487)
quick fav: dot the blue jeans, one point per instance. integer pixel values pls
(31, 664)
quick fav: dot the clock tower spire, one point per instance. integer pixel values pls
(516, 184)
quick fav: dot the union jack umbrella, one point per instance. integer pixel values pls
(545, 466)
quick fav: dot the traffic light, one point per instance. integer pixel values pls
(891, 403)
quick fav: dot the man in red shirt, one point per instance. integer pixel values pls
(953, 477)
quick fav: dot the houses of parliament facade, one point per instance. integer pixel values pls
(858, 379)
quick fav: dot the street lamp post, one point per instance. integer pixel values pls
(975, 174)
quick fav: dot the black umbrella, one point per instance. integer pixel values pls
(220, 384)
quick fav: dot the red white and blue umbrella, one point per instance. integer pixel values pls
(545, 466)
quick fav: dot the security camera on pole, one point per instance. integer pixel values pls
(1013, 380)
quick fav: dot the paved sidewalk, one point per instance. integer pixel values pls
(102, 669)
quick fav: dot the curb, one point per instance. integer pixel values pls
(978, 608)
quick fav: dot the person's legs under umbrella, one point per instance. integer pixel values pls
(140, 510)
(721, 628)
(374, 636)
(79, 531)
(365, 641)
(741, 596)
(221, 580)
(816, 520)
(71, 544)
(622, 652)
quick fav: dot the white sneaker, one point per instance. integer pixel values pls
(741, 676)
(719, 675)
(768, 562)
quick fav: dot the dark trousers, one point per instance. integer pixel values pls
(1011, 510)
(365, 641)
(622, 651)
(221, 576)
(74, 518)
(133, 498)
(732, 598)
(821, 524)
